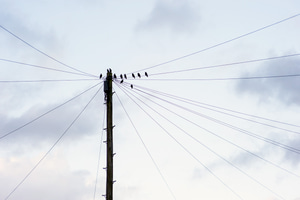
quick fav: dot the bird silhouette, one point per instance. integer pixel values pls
(115, 76)
(121, 76)
(121, 81)
(139, 75)
(100, 76)
(125, 76)
(131, 86)
(133, 75)
(146, 74)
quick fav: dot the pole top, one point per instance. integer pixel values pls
(109, 71)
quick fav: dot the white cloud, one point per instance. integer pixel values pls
(51, 180)
(172, 15)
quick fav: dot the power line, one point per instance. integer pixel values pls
(63, 134)
(219, 44)
(47, 80)
(210, 132)
(41, 67)
(273, 142)
(146, 148)
(52, 58)
(186, 150)
(228, 64)
(208, 148)
(224, 79)
(49, 111)
(213, 106)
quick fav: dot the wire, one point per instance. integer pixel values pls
(278, 144)
(49, 111)
(52, 58)
(147, 150)
(34, 81)
(246, 119)
(219, 44)
(63, 134)
(225, 79)
(99, 156)
(41, 67)
(228, 64)
(186, 150)
(222, 112)
(273, 142)
(169, 110)
(218, 107)
(208, 148)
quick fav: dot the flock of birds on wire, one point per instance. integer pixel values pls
(122, 76)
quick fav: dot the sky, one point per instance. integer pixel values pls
(217, 117)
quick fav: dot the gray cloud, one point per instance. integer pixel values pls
(175, 16)
(292, 157)
(245, 159)
(51, 126)
(52, 181)
(286, 90)
(45, 39)
(265, 151)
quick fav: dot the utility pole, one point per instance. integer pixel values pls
(109, 136)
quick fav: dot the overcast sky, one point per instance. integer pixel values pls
(229, 138)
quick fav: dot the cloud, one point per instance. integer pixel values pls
(52, 180)
(285, 90)
(291, 157)
(245, 159)
(40, 36)
(172, 15)
(50, 126)
(267, 152)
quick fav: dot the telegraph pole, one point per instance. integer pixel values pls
(109, 136)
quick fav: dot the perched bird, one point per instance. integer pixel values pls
(121, 81)
(125, 76)
(139, 75)
(100, 76)
(133, 75)
(109, 70)
(121, 76)
(131, 86)
(115, 76)
(146, 74)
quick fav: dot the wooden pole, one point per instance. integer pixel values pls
(109, 136)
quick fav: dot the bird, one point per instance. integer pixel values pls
(125, 76)
(121, 76)
(100, 76)
(146, 74)
(122, 81)
(131, 86)
(133, 75)
(115, 76)
(139, 75)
